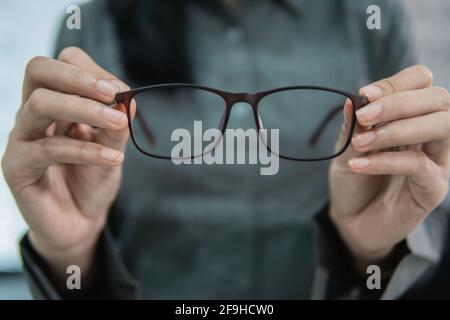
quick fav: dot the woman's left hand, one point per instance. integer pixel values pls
(396, 170)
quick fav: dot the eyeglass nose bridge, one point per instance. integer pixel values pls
(233, 98)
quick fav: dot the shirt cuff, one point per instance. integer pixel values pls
(112, 282)
(425, 253)
(334, 278)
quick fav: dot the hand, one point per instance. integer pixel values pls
(396, 170)
(63, 173)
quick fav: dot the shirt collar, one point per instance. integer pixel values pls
(294, 7)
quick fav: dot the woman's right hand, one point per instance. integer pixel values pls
(63, 172)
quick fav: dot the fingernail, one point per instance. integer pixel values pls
(372, 92)
(114, 116)
(107, 88)
(363, 139)
(120, 84)
(111, 154)
(369, 113)
(359, 163)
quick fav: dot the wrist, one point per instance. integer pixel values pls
(58, 259)
(362, 253)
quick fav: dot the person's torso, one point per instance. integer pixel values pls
(225, 231)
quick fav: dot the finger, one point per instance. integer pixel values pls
(115, 139)
(403, 105)
(63, 150)
(77, 57)
(46, 106)
(81, 132)
(438, 151)
(411, 163)
(59, 76)
(427, 181)
(350, 152)
(415, 164)
(62, 127)
(431, 127)
(412, 78)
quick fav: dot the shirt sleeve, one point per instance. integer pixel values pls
(112, 279)
(412, 266)
(426, 244)
(336, 276)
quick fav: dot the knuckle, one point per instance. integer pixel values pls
(444, 126)
(78, 75)
(9, 170)
(84, 150)
(442, 95)
(33, 64)
(427, 75)
(81, 76)
(6, 166)
(68, 54)
(34, 102)
(48, 147)
(423, 162)
(390, 85)
(392, 133)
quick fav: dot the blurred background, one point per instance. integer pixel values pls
(28, 28)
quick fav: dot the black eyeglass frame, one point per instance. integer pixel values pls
(253, 99)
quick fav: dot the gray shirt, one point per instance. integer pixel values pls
(225, 231)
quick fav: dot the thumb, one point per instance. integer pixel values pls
(349, 118)
(117, 139)
(114, 139)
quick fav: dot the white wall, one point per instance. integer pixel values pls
(27, 29)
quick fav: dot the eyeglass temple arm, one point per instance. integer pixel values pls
(126, 98)
(331, 114)
(147, 131)
(323, 125)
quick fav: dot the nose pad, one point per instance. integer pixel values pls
(260, 122)
(222, 120)
(211, 147)
(262, 136)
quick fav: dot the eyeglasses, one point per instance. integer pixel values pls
(314, 123)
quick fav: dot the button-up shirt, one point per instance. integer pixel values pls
(199, 231)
